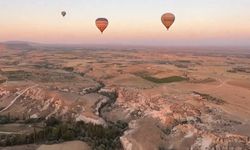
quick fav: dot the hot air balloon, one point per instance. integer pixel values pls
(102, 24)
(168, 19)
(63, 13)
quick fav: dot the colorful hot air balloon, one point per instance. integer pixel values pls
(102, 24)
(63, 13)
(168, 19)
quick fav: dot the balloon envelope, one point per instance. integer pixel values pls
(102, 24)
(63, 13)
(168, 19)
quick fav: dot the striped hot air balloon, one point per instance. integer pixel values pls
(102, 24)
(168, 20)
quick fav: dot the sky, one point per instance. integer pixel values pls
(132, 22)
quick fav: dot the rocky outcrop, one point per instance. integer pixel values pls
(197, 125)
(125, 141)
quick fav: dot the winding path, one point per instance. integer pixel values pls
(15, 99)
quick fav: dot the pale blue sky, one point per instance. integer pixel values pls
(209, 22)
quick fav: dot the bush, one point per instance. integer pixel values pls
(33, 120)
(52, 121)
(4, 120)
(70, 69)
(68, 135)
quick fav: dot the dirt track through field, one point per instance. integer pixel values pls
(16, 98)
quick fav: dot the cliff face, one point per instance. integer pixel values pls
(178, 122)
(41, 103)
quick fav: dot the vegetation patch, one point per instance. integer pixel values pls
(69, 69)
(7, 119)
(239, 69)
(54, 131)
(45, 65)
(161, 80)
(18, 75)
(210, 98)
(2, 80)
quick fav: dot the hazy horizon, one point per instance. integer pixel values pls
(210, 23)
(100, 46)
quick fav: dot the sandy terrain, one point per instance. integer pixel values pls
(74, 145)
(207, 109)
(22, 147)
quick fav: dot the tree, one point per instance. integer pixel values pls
(68, 135)
(52, 121)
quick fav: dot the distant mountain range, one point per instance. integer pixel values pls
(26, 46)
(23, 45)
(16, 45)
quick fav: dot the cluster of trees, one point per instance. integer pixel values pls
(2, 80)
(239, 69)
(55, 131)
(210, 98)
(17, 75)
(7, 119)
(69, 69)
(97, 136)
(164, 80)
(16, 139)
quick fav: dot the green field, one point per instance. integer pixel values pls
(164, 80)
